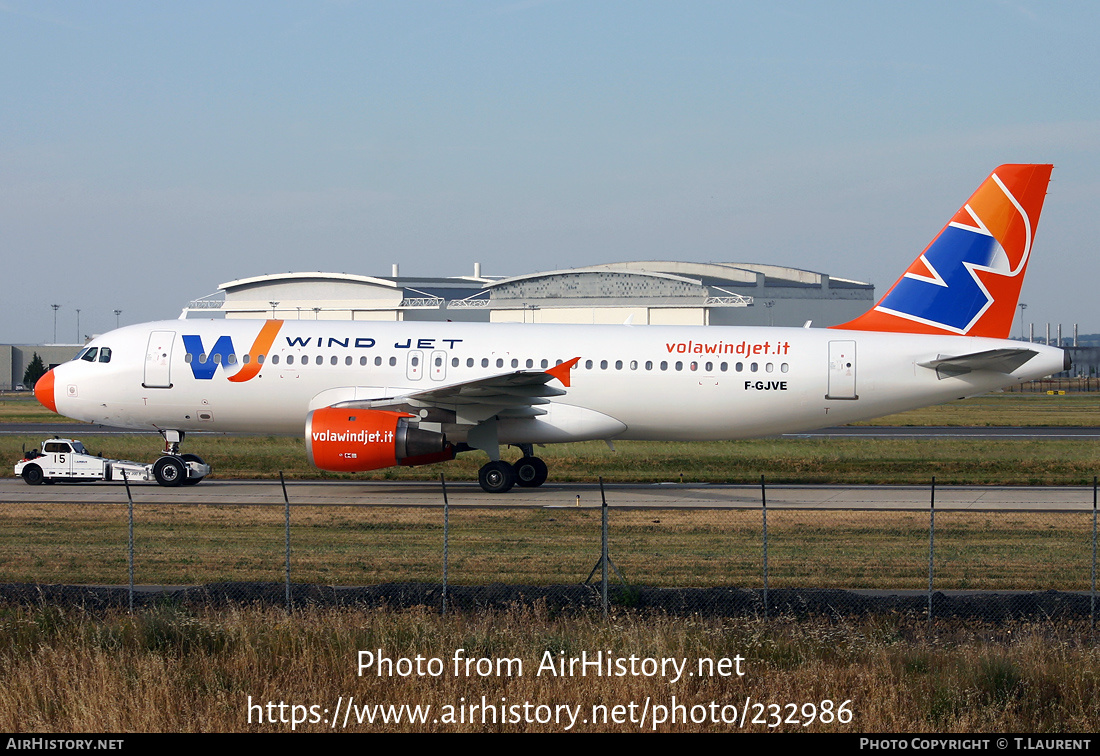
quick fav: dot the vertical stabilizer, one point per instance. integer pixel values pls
(967, 281)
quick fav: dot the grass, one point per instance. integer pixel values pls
(169, 670)
(668, 548)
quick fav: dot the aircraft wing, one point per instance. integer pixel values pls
(515, 394)
(996, 360)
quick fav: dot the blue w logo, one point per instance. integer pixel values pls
(960, 299)
(203, 363)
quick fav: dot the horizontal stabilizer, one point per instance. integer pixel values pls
(995, 360)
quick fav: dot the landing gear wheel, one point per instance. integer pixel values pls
(530, 472)
(32, 474)
(170, 471)
(496, 477)
(188, 480)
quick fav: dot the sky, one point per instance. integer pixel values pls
(152, 151)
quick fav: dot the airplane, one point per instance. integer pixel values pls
(371, 395)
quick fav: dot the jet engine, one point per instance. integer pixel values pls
(356, 440)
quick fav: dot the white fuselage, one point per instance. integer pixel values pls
(632, 382)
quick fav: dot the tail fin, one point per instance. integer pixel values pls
(967, 281)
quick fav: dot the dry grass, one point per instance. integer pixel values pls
(170, 670)
(187, 545)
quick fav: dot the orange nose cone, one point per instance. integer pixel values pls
(43, 391)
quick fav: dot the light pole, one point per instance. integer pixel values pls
(117, 313)
(55, 307)
(1022, 308)
(77, 325)
(273, 306)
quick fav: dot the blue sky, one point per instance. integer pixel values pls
(150, 151)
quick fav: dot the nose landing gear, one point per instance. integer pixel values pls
(175, 469)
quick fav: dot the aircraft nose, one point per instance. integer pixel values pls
(43, 391)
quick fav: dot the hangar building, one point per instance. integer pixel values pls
(652, 292)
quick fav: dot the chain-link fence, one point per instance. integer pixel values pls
(991, 563)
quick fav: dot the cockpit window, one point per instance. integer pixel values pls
(89, 356)
(105, 354)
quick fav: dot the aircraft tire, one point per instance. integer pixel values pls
(169, 471)
(531, 472)
(188, 480)
(32, 474)
(496, 477)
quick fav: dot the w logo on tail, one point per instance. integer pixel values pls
(967, 281)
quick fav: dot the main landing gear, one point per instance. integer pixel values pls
(500, 476)
(175, 469)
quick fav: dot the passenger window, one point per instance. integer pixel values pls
(784, 367)
(530, 363)
(377, 361)
(454, 362)
(515, 362)
(769, 367)
(740, 367)
(290, 359)
(649, 364)
(588, 364)
(500, 362)
(275, 359)
(485, 362)
(188, 357)
(334, 360)
(710, 367)
(723, 367)
(754, 367)
(664, 365)
(603, 364)
(469, 362)
(320, 360)
(545, 364)
(245, 359)
(679, 366)
(362, 361)
(393, 361)
(260, 359)
(347, 360)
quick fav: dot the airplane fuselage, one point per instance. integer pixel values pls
(631, 382)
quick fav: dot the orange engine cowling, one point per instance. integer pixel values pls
(355, 440)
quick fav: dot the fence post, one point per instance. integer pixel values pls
(446, 537)
(931, 547)
(1092, 600)
(286, 500)
(764, 517)
(603, 549)
(130, 547)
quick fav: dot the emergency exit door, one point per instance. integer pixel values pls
(842, 370)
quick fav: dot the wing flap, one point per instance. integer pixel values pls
(514, 394)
